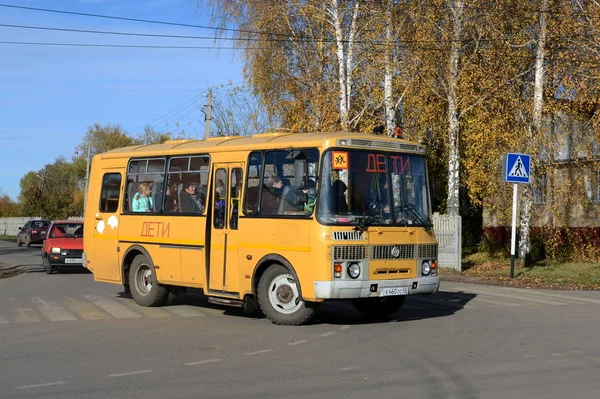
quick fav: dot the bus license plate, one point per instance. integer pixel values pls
(73, 260)
(394, 291)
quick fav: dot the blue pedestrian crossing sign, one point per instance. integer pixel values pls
(516, 168)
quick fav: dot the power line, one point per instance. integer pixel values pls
(148, 21)
(128, 46)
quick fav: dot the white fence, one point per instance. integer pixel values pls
(10, 226)
(448, 232)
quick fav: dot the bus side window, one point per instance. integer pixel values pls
(109, 193)
(236, 190)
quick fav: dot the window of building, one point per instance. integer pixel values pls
(593, 188)
(145, 185)
(109, 193)
(540, 188)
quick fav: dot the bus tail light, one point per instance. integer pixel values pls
(337, 270)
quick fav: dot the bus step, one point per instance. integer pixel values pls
(227, 302)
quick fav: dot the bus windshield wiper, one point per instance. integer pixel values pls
(368, 216)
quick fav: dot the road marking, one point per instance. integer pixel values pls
(53, 312)
(152, 313)
(3, 319)
(85, 310)
(130, 373)
(327, 334)
(495, 302)
(258, 352)
(524, 291)
(202, 362)
(184, 311)
(344, 327)
(48, 384)
(442, 303)
(517, 297)
(26, 315)
(115, 309)
(302, 341)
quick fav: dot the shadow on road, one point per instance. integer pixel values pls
(417, 307)
(20, 250)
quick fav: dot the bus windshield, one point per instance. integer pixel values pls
(373, 188)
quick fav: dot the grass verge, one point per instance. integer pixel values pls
(8, 238)
(548, 274)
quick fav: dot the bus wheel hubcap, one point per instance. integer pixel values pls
(144, 280)
(283, 294)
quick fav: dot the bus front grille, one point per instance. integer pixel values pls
(384, 252)
(428, 251)
(349, 252)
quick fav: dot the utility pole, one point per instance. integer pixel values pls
(87, 176)
(207, 109)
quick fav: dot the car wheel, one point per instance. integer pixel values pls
(19, 243)
(279, 298)
(47, 265)
(144, 285)
(28, 241)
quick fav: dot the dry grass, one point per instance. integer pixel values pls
(547, 275)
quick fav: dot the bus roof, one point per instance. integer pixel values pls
(266, 141)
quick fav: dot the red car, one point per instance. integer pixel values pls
(34, 232)
(63, 246)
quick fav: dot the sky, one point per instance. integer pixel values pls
(50, 95)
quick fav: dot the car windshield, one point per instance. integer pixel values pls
(67, 230)
(40, 224)
(373, 188)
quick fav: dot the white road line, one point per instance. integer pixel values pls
(131, 373)
(3, 319)
(112, 307)
(202, 362)
(344, 327)
(327, 334)
(258, 352)
(524, 291)
(48, 384)
(53, 312)
(183, 311)
(517, 297)
(494, 302)
(302, 341)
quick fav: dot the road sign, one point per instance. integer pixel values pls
(517, 168)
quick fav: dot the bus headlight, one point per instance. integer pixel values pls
(353, 270)
(425, 268)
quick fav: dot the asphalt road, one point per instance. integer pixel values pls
(66, 336)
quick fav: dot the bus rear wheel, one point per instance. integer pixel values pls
(379, 308)
(279, 298)
(144, 285)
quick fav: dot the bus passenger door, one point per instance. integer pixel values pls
(106, 265)
(226, 191)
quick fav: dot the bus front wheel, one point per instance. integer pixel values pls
(279, 298)
(144, 285)
(379, 308)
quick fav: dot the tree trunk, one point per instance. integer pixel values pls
(339, 38)
(536, 127)
(457, 9)
(390, 111)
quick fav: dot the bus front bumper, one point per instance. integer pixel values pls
(344, 289)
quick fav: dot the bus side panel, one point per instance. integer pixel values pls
(287, 238)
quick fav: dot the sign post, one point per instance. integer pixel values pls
(516, 169)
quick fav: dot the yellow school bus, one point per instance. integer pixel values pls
(277, 221)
